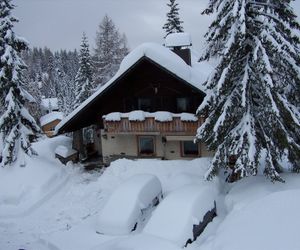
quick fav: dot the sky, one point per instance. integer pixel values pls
(59, 24)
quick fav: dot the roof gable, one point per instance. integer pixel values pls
(157, 55)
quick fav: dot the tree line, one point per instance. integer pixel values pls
(72, 76)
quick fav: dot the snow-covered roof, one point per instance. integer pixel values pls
(64, 151)
(51, 117)
(158, 54)
(178, 40)
(139, 115)
(46, 103)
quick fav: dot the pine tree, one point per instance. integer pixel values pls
(173, 24)
(83, 79)
(16, 124)
(111, 48)
(252, 105)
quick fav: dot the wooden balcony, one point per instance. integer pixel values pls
(151, 126)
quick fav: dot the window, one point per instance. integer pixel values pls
(52, 128)
(146, 145)
(183, 104)
(144, 104)
(189, 148)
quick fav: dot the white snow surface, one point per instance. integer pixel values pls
(139, 115)
(178, 40)
(124, 207)
(138, 242)
(64, 151)
(160, 55)
(179, 211)
(49, 206)
(45, 119)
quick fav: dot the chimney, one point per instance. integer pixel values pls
(179, 43)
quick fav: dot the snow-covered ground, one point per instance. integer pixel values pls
(49, 206)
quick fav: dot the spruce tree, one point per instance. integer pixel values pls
(83, 79)
(252, 105)
(16, 124)
(173, 24)
(111, 48)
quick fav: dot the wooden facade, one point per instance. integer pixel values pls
(146, 86)
(145, 80)
(149, 125)
(49, 128)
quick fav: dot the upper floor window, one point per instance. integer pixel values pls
(144, 104)
(183, 104)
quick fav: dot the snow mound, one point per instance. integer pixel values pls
(122, 169)
(187, 117)
(138, 242)
(27, 187)
(179, 211)
(269, 223)
(64, 151)
(178, 40)
(163, 116)
(136, 115)
(113, 117)
(125, 205)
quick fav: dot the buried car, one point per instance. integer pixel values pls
(137, 242)
(128, 205)
(183, 214)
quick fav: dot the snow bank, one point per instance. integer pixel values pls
(166, 171)
(139, 115)
(125, 205)
(51, 117)
(138, 242)
(254, 188)
(178, 40)
(25, 187)
(179, 212)
(269, 223)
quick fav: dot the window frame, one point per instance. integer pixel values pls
(145, 99)
(187, 104)
(139, 145)
(189, 155)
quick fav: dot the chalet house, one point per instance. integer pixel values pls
(146, 110)
(49, 122)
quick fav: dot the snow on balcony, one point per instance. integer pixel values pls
(159, 122)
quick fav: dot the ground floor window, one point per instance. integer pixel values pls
(146, 145)
(189, 148)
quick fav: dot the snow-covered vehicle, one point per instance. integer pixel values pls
(137, 242)
(129, 204)
(183, 214)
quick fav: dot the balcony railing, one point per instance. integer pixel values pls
(175, 126)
